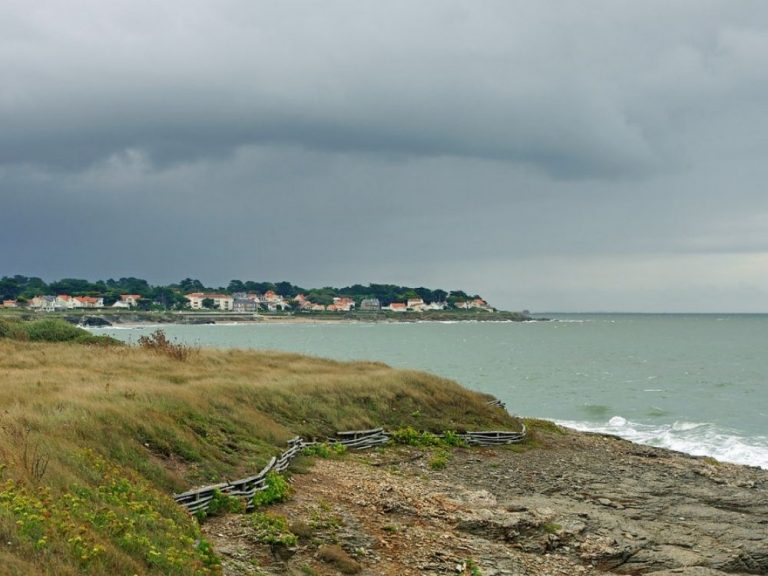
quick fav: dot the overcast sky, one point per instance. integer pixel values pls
(549, 155)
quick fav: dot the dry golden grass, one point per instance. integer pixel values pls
(173, 424)
(216, 413)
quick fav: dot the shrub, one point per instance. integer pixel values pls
(277, 490)
(159, 343)
(273, 529)
(325, 450)
(439, 460)
(54, 330)
(221, 504)
(412, 437)
(451, 438)
(335, 555)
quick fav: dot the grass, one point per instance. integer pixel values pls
(93, 440)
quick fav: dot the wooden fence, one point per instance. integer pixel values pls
(199, 499)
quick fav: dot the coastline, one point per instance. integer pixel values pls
(570, 503)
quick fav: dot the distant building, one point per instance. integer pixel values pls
(415, 304)
(341, 304)
(131, 299)
(397, 307)
(10, 304)
(88, 302)
(220, 301)
(244, 305)
(370, 304)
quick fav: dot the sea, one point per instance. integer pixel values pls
(695, 383)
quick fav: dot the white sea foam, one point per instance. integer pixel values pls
(696, 438)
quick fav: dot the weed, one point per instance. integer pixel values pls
(335, 555)
(159, 343)
(451, 438)
(412, 437)
(474, 569)
(551, 528)
(439, 459)
(277, 490)
(273, 529)
(325, 450)
(221, 504)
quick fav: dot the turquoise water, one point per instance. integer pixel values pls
(695, 383)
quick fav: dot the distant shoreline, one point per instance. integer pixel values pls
(96, 318)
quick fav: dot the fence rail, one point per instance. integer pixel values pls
(198, 500)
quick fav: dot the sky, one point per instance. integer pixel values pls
(551, 156)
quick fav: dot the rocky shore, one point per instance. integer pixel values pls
(569, 504)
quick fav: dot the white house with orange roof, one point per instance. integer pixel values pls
(220, 301)
(131, 299)
(88, 302)
(397, 307)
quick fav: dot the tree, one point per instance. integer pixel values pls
(191, 285)
(208, 303)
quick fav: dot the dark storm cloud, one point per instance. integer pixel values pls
(493, 144)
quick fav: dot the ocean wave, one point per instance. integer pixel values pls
(695, 438)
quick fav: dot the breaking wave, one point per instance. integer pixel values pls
(696, 438)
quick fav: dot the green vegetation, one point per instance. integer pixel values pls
(50, 330)
(551, 528)
(412, 437)
(439, 459)
(325, 450)
(277, 490)
(94, 441)
(273, 529)
(222, 504)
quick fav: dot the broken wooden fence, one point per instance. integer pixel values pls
(198, 500)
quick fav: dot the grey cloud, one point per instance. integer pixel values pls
(603, 145)
(584, 93)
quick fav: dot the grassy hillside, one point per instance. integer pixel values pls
(94, 439)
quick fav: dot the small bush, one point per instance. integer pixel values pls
(439, 460)
(54, 330)
(221, 504)
(277, 490)
(335, 555)
(273, 529)
(411, 437)
(159, 343)
(451, 438)
(325, 450)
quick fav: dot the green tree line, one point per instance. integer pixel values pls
(171, 296)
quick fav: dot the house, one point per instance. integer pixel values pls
(64, 302)
(480, 303)
(10, 304)
(121, 304)
(87, 302)
(461, 305)
(342, 304)
(195, 300)
(415, 304)
(370, 304)
(44, 303)
(131, 299)
(244, 305)
(220, 301)
(436, 306)
(397, 307)
(316, 307)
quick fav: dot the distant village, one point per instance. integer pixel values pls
(246, 302)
